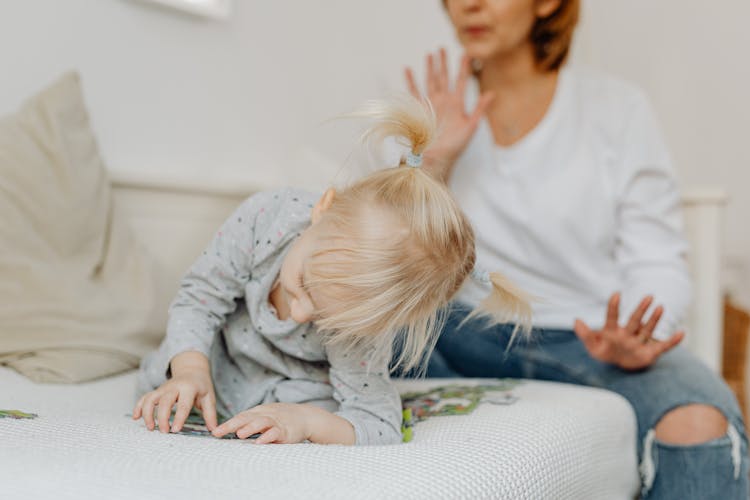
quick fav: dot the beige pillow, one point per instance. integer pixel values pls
(76, 289)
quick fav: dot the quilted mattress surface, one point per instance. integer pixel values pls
(556, 442)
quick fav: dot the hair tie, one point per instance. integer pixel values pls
(413, 159)
(480, 275)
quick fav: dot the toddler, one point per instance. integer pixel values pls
(287, 320)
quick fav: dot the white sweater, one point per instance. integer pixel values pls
(583, 206)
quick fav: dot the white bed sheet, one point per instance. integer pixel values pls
(557, 442)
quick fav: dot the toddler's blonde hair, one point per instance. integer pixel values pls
(397, 249)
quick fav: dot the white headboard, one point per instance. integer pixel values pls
(704, 217)
(175, 218)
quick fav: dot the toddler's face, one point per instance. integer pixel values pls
(303, 262)
(294, 274)
(293, 277)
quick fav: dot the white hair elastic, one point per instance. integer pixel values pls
(480, 275)
(413, 159)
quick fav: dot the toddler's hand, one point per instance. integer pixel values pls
(187, 389)
(277, 423)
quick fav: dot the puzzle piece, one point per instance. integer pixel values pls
(17, 414)
(457, 399)
(196, 426)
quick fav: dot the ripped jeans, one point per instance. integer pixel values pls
(716, 469)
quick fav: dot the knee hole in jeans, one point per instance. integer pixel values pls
(691, 424)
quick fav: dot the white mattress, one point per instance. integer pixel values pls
(557, 442)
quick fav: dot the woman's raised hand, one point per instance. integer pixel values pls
(630, 347)
(456, 126)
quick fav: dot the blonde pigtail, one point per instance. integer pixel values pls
(403, 117)
(506, 303)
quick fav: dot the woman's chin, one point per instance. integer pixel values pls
(478, 52)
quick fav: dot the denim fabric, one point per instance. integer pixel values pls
(713, 470)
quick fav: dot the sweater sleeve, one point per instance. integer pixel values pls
(650, 247)
(209, 289)
(367, 397)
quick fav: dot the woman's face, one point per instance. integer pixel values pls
(491, 28)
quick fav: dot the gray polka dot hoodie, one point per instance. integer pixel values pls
(222, 310)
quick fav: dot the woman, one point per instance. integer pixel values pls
(568, 183)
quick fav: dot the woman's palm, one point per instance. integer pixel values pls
(456, 126)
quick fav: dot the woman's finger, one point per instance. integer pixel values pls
(463, 76)
(636, 319)
(583, 331)
(648, 328)
(443, 82)
(661, 347)
(431, 78)
(184, 405)
(165, 410)
(593, 341)
(613, 312)
(270, 436)
(411, 83)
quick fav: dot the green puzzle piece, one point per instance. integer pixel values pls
(17, 414)
(455, 399)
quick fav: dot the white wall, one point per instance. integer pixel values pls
(246, 98)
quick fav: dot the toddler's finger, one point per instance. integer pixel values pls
(208, 408)
(257, 425)
(270, 436)
(244, 420)
(164, 411)
(184, 405)
(230, 425)
(138, 408)
(148, 410)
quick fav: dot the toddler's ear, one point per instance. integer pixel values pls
(322, 205)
